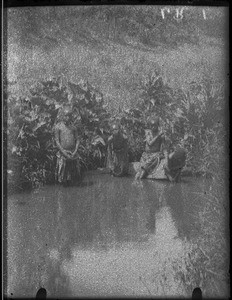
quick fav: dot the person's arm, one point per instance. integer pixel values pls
(77, 145)
(73, 154)
(151, 140)
(77, 142)
(110, 139)
(110, 142)
(57, 140)
(164, 146)
(126, 143)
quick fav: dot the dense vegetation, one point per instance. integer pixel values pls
(193, 120)
(206, 258)
(113, 47)
(31, 123)
(141, 65)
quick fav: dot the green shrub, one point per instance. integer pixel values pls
(134, 124)
(193, 119)
(31, 123)
(204, 136)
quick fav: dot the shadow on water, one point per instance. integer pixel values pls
(111, 232)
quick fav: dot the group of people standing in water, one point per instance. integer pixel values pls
(154, 158)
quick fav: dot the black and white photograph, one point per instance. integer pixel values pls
(116, 151)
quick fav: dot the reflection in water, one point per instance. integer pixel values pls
(109, 236)
(132, 268)
(165, 227)
(185, 208)
(154, 195)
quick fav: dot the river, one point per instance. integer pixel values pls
(106, 237)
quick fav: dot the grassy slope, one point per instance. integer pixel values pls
(81, 46)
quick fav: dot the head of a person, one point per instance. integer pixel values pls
(116, 128)
(66, 114)
(154, 124)
(177, 159)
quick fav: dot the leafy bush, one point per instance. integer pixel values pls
(193, 119)
(89, 105)
(203, 111)
(31, 123)
(155, 99)
(133, 122)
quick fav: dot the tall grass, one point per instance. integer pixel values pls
(116, 70)
(207, 257)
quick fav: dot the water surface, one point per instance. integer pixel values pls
(107, 237)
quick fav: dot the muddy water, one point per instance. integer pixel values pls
(107, 237)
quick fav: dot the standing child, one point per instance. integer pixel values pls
(67, 142)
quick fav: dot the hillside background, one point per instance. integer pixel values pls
(114, 47)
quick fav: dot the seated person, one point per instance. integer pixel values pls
(117, 160)
(154, 149)
(67, 142)
(175, 163)
(155, 161)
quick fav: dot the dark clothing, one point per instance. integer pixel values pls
(117, 160)
(67, 169)
(175, 164)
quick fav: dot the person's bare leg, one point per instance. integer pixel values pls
(178, 178)
(142, 174)
(137, 176)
